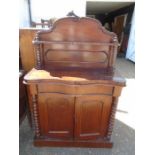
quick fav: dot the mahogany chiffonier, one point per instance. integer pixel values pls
(74, 88)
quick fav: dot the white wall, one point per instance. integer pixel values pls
(23, 14)
(47, 9)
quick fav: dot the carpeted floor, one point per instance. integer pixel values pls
(123, 133)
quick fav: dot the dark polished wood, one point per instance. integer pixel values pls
(74, 88)
(70, 44)
(58, 111)
(69, 143)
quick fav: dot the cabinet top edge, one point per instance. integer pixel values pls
(74, 77)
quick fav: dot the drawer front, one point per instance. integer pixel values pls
(75, 89)
(94, 89)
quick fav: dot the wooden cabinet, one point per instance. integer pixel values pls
(74, 88)
(67, 114)
(74, 117)
(56, 115)
(91, 116)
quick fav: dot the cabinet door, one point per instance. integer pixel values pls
(56, 115)
(92, 116)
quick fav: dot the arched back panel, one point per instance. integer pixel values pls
(73, 43)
